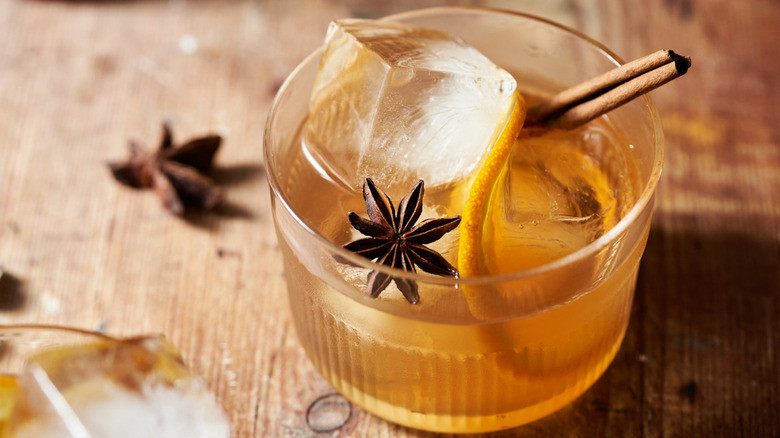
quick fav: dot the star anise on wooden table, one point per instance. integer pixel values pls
(395, 241)
(177, 173)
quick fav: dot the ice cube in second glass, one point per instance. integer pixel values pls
(398, 103)
(130, 388)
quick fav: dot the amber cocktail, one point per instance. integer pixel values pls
(559, 243)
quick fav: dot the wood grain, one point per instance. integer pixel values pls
(78, 79)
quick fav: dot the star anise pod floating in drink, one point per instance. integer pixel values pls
(177, 173)
(395, 241)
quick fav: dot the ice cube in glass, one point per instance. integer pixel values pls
(398, 103)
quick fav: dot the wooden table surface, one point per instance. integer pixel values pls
(78, 79)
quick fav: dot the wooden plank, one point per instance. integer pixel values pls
(78, 79)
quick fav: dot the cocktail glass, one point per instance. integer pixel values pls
(539, 338)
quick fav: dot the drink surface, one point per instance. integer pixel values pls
(559, 192)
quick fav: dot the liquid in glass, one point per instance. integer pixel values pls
(497, 351)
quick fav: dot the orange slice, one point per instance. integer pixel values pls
(470, 261)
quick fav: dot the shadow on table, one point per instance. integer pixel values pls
(227, 177)
(239, 174)
(12, 295)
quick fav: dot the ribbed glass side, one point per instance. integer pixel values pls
(432, 381)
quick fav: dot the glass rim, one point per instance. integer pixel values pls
(597, 245)
(35, 327)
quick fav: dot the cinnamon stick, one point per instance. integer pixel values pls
(586, 101)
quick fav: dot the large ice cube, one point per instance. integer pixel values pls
(398, 103)
(117, 389)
